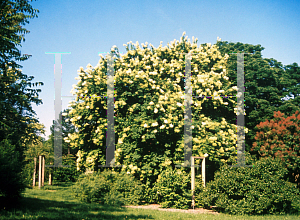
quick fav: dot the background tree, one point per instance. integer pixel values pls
(16, 114)
(267, 81)
(67, 128)
(280, 138)
(64, 174)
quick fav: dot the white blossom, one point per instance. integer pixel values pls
(151, 103)
(155, 110)
(179, 104)
(154, 124)
(162, 127)
(171, 125)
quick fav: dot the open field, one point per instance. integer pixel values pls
(57, 202)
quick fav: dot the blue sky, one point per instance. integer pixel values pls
(86, 28)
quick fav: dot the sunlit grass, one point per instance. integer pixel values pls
(57, 202)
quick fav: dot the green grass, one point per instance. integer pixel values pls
(57, 202)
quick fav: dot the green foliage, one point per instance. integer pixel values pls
(173, 188)
(33, 150)
(66, 174)
(11, 179)
(149, 109)
(267, 81)
(108, 188)
(16, 114)
(18, 125)
(65, 127)
(280, 138)
(261, 189)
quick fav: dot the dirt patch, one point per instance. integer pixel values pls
(158, 207)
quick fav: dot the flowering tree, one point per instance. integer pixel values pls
(280, 137)
(149, 109)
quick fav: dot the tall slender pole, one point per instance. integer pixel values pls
(40, 171)
(193, 180)
(203, 171)
(50, 177)
(43, 170)
(34, 173)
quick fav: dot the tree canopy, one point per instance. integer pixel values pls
(279, 138)
(19, 126)
(267, 81)
(149, 108)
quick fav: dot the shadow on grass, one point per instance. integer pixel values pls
(34, 208)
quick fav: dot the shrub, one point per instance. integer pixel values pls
(11, 178)
(280, 138)
(173, 189)
(261, 189)
(66, 174)
(108, 188)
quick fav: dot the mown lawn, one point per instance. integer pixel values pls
(57, 202)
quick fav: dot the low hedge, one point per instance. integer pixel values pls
(173, 189)
(109, 188)
(262, 189)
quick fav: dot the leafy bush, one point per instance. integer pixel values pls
(261, 189)
(173, 189)
(280, 138)
(66, 174)
(11, 178)
(108, 188)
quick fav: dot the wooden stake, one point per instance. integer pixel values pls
(203, 171)
(43, 170)
(50, 180)
(34, 173)
(40, 171)
(193, 180)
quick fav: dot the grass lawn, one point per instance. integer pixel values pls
(57, 202)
